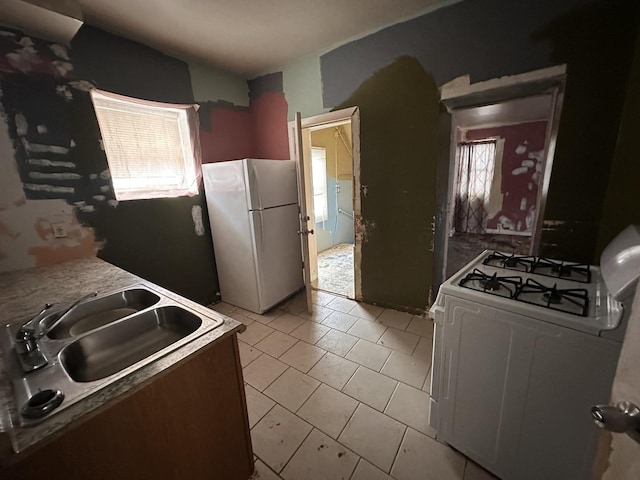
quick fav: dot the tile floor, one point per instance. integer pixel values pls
(342, 393)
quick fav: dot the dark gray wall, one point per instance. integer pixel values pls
(489, 39)
(155, 239)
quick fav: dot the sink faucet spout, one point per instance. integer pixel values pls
(26, 340)
(64, 314)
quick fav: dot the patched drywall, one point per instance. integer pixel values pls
(488, 39)
(211, 84)
(226, 132)
(270, 134)
(398, 144)
(155, 239)
(39, 172)
(55, 177)
(519, 176)
(303, 87)
(229, 132)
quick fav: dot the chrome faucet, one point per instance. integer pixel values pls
(26, 340)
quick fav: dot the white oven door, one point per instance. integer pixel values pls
(516, 389)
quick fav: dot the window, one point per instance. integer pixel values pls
(476, 162)
(319, 175)
(152, 148)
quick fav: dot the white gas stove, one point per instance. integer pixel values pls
(563, 293)
(523, 347)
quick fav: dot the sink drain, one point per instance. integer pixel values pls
(42, 403)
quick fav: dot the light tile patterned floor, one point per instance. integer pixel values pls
(342, 394)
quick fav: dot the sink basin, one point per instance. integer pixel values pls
(100, 344)
(102, 311)
(115, 347)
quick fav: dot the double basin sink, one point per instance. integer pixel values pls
(98, 343)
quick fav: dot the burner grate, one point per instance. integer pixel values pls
(501, 286)
(568, 300)
(512, 262)
(579, 272)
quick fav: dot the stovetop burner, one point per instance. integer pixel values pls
(512, 262)
(502, 286)
(578, 272)
(568, 300)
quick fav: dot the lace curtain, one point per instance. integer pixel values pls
(475, 175)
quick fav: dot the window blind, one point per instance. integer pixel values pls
(149, 147)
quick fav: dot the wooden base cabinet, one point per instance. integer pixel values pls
(190, 422)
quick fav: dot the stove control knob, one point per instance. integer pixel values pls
(621, 418)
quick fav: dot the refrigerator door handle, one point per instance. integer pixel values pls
(254, 177)
(260, 231)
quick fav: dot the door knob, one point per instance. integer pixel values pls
(624, 417)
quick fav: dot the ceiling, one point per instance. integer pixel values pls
(248, 37)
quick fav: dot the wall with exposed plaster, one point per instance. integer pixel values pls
(55, 174)
(519, 176)
(54, 170)
(484, 39)
(39, 175)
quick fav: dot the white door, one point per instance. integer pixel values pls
(296, 151)
(619, 454)
(278, 257)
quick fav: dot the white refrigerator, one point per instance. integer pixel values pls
(253, 211)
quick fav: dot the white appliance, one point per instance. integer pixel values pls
(523, 347)
(253, 210)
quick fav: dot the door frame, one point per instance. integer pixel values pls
(316, 122)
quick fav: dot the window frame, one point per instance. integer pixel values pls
(320, 199)
(186, 182)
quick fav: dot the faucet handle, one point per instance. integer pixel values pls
(26, 341)
(29, 325)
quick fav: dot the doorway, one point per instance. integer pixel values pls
(500, 153)
(330, 147)
(494, 174)
(332, 189)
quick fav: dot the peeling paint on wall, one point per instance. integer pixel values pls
(198, 224)
(27, 237)
(39, 172)
(520, 172)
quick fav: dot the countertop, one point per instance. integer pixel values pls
(23, 294)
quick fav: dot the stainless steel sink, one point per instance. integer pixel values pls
(100, 343)
(102, 311)
(118, 346)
